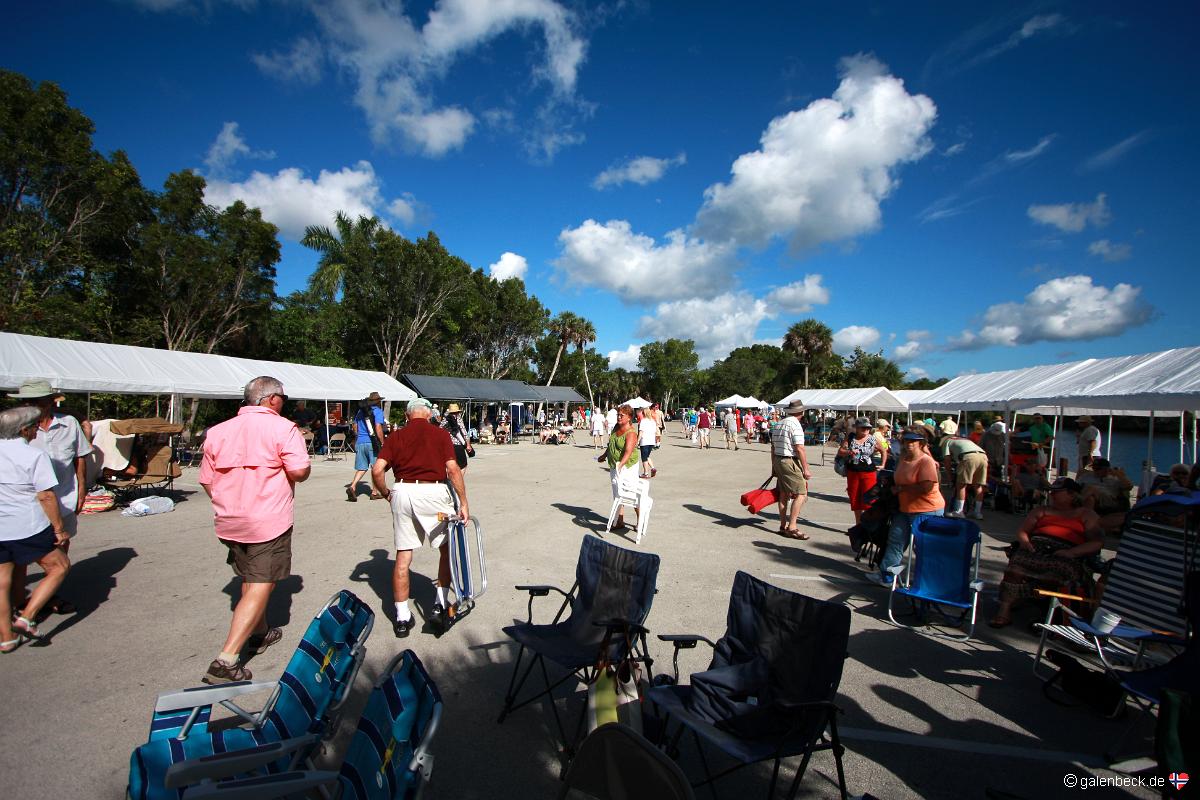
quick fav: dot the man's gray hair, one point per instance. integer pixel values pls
(260, 387)
(14, 420)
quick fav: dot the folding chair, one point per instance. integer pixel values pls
(616, 761)
(335, 447)
(769, 690)
(1144, 587)
(942, 569)
(388, 757)
(611, 598)
(635, 493)
(313, 686)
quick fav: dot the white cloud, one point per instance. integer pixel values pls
(1110, 251)
(916, 373)
(510, 265)
(954, 149)
(1073, 217)
(1109, 156)
(301, 64)
(1032, 27)
(717, 326)
(395, 63)
(641, 170)
(798, 297)
(404, 209)
(1019, 156)
(625, 359)
(916, 343)
(637, 268)
(293, 201)
(1062, 309)
(822, 172)
(227, 148)
(852, 336)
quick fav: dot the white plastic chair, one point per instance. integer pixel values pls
(633, 492)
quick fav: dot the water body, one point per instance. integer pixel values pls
(1129, 449)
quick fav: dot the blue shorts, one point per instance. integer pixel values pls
(646, 450)
(364, 455)
(28, 550)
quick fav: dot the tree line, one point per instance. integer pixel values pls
(88, 252)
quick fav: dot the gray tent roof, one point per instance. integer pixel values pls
(440, 387)
(559, 394)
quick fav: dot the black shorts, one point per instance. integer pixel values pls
(261, 562)
(646, 450)
(28, 550)
(460, 455)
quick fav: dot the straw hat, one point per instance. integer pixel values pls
(949, 427)
(882, 423)
(794, 407)
(453, 408)
(1085, 419)
(374, 397)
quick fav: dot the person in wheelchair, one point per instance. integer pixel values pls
(1051, 551)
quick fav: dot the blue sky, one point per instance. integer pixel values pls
(967, 186)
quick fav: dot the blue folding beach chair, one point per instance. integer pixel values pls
(313, 685)
(942, 570)
(388, 757)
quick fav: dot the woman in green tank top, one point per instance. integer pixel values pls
(621, 455)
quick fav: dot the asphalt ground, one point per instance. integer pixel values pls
(923, 716)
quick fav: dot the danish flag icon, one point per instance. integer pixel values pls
(1178, 780)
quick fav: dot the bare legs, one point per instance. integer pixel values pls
(402, 585)
(249, 616)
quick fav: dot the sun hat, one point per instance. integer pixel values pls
(34, 389)
(794, 407)
(1084, 418)
(862, 422)
(453, 408)
(1066, 485)
(418, 402)
(948, 427)
(996, 427)
(882, 423)
(912, 436)
(374, 397)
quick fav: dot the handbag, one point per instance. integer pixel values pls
(839, 465)
(616, 693)
(757, 499)
(1096, 690)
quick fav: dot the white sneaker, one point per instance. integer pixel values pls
(954, 515)
(878, 580)
(977, 515)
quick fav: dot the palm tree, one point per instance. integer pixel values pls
(585, 334)
(340, 253)
(811, 342)
(563, 326)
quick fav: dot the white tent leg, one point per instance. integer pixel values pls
(1053, 442)
(89, 405)
(1181, 422)
(327, 453)
(1148, 468)
(1194, 437)
(1108, 444)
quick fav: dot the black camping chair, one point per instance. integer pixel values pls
(616, 762)
(768, 692)
(610, 600)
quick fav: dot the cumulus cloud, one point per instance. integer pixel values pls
(916, 343)
(1063, 309)
(641, 170)
(798, 297)
(1111, 155)
(852, 336)
(395, 63)
(293, 201)
(510, 265)
(822, 172)
(227, 148)
(1110, 251)
(916, 373)
(1073, 217)
(717, 325)
(637, 268)
(301, 64)
(625, 359)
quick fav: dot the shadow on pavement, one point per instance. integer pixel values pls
(727, 520)
(583, 517)
(279, 607)
(89, 584)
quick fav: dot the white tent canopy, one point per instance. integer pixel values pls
(875, 398)
(637, 402)
(752, 402)
(911, 397)
(1165, 381)
(734, 400)
(73, 366)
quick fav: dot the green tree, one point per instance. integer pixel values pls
(865, 369)
(585, 334)
(304, 329)
(811, 343)
(926, 383)
(499, 326)
(668, 366)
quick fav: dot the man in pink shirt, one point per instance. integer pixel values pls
(250, 469)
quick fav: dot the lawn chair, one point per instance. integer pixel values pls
(310, 439)
(388, 757)
(312, 687)
(635, 493)
(616, 761)
(611, 598)
(942, 569)
(157, 470)
(1144, 587)
(335, 447)
(769, 691)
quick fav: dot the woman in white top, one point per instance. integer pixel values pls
(598, 428)
(31, 527)
(648, 437)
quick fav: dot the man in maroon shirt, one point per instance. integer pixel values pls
(421, 456)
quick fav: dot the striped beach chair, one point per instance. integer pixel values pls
(388, 757)
(1145, 588)
(313, 686)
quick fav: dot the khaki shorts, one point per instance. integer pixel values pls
(972, 470)
(790, 475)
(261, 562)
(415, 510)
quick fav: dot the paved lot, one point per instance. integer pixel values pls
(924, 717)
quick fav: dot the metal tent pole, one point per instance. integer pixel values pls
(1181, 423)
(1108, 448)
(327, 453)
(1195, 459)
(1053, 442)
(1148, 468)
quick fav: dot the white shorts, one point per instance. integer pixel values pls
(415, 510)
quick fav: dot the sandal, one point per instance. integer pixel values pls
(10, 645)
(794, 533)
(376, 496)
(26, 628)
(999, 622)
(59, 605)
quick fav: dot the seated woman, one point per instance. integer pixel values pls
(1050, 551)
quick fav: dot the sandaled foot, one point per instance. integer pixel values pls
(376, 496)
(258, 643)
(26, 628)
(220, 672)
(10, 645)
(795, 533)
(999, 621)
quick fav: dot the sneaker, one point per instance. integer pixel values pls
(220, 672)
(258, 643)
(977, 515)
(402, 629)
(954, 515)
(878, 580)
(653, 472)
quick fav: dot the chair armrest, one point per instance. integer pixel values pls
(540, 590)
(181, 699)
(283, 784)
(977, 586)
(618, 624)
(789, 706)
(684, 641)
(233, 762)
(896, 570)
(1062, 596)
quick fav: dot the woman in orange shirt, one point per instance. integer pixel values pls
(916, 483)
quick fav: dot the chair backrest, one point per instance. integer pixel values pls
(323, 667)
(610, 582)
(1146, 583)
(337, 440)
(632, 489)
(616, 761)
(801, 640)
(389, 748)
(945, 558)
(160, 462)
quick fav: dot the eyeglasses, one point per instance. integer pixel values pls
(282, 397)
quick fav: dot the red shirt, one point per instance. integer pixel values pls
(418, 451)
